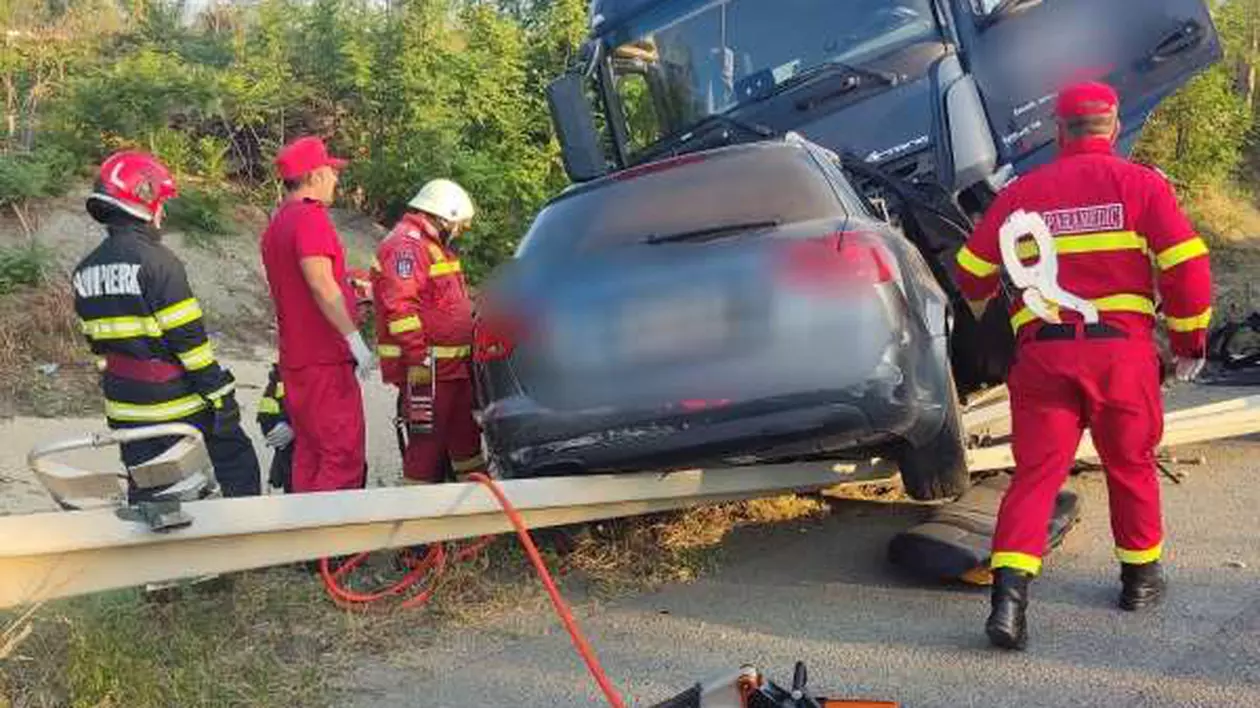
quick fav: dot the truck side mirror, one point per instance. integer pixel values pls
(574, 120)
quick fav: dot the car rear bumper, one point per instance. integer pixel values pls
(537, 442)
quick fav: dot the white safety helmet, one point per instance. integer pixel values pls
(445, 199)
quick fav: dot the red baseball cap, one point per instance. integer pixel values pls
(1088, 98)
(304, 155)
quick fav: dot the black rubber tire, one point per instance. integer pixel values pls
(938, 468)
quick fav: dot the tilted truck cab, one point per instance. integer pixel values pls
(933, 104)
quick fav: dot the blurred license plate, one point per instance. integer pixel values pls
(675, 327)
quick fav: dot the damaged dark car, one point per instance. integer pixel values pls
(753, 263)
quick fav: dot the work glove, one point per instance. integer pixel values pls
(364, 361)
(227, 414)
(1188, 369)
(280, 435)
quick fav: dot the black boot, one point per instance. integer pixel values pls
(1143, 585)
(1006, 626)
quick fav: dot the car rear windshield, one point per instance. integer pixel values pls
(732, 187)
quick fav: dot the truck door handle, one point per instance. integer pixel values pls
(1186, 37)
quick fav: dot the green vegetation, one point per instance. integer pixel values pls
(1205, 137)
(201, 215)
(22, 267)
(409, 91)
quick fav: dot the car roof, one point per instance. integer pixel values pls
(789, 142)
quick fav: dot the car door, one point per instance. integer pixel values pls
(1022, 51)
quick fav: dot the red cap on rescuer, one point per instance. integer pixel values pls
(304, 155)
(1089, 98)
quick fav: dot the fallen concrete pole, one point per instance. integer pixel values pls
(59, 554)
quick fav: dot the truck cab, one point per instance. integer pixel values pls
(931, 105)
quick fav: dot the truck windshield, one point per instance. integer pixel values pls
(676, 72)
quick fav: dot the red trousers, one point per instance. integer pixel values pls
(325, 407)
(455, 435)
(1058, 388)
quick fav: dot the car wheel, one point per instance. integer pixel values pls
(938, 468)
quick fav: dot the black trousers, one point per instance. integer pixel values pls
(281, 475)
(232, 454)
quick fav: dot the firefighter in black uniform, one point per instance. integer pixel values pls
(274, 422)
(140, 316)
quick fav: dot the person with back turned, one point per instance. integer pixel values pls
(1120, 238)
(142, 320)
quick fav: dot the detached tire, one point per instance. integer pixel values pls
(938, 468)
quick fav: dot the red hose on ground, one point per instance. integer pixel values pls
(435, 563)
(562, 608)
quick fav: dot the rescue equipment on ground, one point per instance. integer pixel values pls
(953, 543)
(1234, 353)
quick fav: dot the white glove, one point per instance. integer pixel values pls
(1188, 369)
(364, 361)
(280, 435)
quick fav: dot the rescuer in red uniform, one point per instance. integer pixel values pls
(1116, 228)
(424, 334)
(321, 349)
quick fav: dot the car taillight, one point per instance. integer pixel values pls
(495, 337)
(846, 257)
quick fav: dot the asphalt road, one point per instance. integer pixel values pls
(822, 592)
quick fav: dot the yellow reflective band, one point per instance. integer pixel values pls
(154, 412)
(389, 351)
(197, 358)
(179, 314)
(1018, 561)
(1123, 302)
(1182, 252)
(1021, 318)
(1150, 555)
(279, 389)
(451, 352)
(974, 264)
(269, 406)
(418, 375)
(445, 268)
(410, 323)
(1190, 324)
(470, 464)
(1089, 243)
(220, 392)
(121, 328)
(1126, 303)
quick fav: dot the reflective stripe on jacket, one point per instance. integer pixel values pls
(133, 300)
(271, 406)
(422, 303)
(1118, 232)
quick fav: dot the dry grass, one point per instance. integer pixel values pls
(626, 556)
(38, 328)
(274, 640)
(1226, 216)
